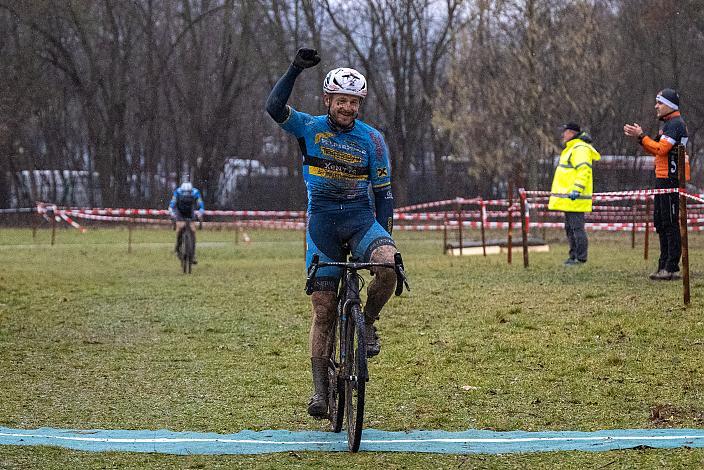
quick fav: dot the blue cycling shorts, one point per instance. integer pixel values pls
(180, 216)
(334, 232)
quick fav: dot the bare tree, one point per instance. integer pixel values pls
(402, 46)
(468, 93)
(525, 67)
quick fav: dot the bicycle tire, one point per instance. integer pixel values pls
(191, 249)
(355, 370)
(187, 250)
(336, 392)
(181, 249)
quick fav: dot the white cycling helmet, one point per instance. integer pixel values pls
(345, 81)
(186, 186)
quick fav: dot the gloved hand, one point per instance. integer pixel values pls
(574, 195)
(306, 58)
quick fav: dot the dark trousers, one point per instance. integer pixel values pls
(666, 220)
(576, 235)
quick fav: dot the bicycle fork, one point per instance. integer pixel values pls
(347, 309)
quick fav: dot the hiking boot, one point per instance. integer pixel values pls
(661, 275)
(675, 276)
(373, 342)
(573, 262)
(318, 403)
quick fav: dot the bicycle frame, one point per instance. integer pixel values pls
(348, 378)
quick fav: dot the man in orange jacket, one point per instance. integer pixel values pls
(673, 132)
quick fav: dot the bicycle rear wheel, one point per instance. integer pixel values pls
(184, 263)
(355, 374)
(187, 250)
(183, 254)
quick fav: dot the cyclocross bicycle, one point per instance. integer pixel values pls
(187, 246)
(347, 367)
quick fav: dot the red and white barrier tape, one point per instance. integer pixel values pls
(694, 197)
(122, 212)
(70, 221)
(112, 218)
(603, 217)
(447, 202)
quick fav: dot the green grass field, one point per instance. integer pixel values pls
(94, 337)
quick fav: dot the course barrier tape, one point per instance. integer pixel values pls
(459, 200)
(164, 212)
(603, 217)
(694, 197)
(112, 218)
(70, 221)
(630, 193)
(295, 214)
(275, 224)
(426, 205)
(447, 214)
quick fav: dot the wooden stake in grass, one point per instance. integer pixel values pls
(35, 223)
(458, 209)
(129, 234)
(482, 214)
(683, 222)
(524, 225)
(634, 212)
(647, 227)
(444, 235)
(237, 230)
(509, 238)
(53, 226)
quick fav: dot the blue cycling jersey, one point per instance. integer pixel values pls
(196, 197)
(339, 166)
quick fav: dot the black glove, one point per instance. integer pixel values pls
(306, 58)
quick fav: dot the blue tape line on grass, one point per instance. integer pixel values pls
(251, 442)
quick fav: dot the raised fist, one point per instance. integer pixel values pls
(306, 58)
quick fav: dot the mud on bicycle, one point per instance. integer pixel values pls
(347, 367)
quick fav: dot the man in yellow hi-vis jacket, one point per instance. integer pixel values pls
(572, 186)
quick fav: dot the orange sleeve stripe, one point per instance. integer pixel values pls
(656, 148)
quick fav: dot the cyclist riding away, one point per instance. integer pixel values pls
(185, 203)
(342, 158)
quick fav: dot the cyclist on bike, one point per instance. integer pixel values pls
(185, 203)
(342, 158)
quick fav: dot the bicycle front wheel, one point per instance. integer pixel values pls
(336, 392)
(355, 374)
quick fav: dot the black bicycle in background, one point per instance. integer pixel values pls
(187, 246)
(347, 369)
